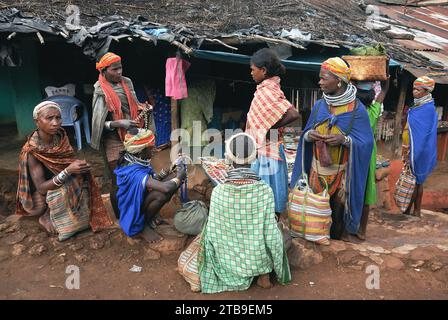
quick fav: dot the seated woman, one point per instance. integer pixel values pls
(241, 239)
(53, 184)
(140, 193)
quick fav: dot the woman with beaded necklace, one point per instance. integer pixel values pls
(241, 239)
(337, 143)
(141, 192)
(420, 138)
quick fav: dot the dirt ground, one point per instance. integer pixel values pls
(412, 265)
(411, 254)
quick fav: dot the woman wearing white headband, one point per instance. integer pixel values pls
(243, 210)
(53, 184)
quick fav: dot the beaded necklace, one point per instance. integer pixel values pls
(131, 159)
(421, 101)
(241, 176)
(348, 96)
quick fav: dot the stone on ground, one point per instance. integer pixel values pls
(18, 249)
(303, 254)
(405, 249)
(347, 256)
(393, 263)
(37, 249)
(424, 253)
(173, 240)
(151, 254)
(15, 238)
(335, 246)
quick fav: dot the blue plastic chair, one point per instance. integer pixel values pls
(70, 117)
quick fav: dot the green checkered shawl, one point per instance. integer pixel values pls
(241, 239)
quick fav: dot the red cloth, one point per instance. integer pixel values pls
(113, 102)
(268, 107)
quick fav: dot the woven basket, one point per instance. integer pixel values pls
(367, 68)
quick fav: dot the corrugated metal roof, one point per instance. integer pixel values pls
(433, 20)
(430, 27)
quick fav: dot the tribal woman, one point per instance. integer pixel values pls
(337, 145)
(53, 184)
(420, 138)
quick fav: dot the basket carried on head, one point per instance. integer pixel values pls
(367, 68)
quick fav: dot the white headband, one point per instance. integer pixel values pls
(235, 158)
(43, 106)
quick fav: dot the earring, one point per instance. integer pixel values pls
(339, 85)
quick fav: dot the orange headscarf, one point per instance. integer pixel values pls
(106, 60)
(338, 67)
(425, 82)
(113, 102)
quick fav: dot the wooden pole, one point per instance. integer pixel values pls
(396, 146)
(174, 115)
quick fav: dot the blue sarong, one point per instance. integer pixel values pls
(423, 123)
(131, 181)
(275, 174)
(357, 127)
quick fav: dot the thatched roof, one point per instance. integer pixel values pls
(330, 23)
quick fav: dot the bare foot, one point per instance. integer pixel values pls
(323, 242)
(417, 214)
(150, 235)
(264, 281)
(45, 222)
(361, 236)
(350, 238)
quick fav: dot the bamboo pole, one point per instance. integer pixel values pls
(222, 43)
(174, 115)
(185, 48)
(396, 146)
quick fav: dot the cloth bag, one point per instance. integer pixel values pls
(404, 188)
(324, 154)
(187, 264)
(309, 214)
(191, 218)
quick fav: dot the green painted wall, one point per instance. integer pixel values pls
(27, 87)
(7, 96)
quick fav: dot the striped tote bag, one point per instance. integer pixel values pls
(404, 188)
(309, 214)
(187, 264)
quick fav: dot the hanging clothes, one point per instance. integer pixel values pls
(162, 117)
(198, 107)
(175, 83)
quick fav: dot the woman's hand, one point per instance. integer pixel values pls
(335, 139)
(146, 105)
(124, 123)
(314, 135)
(78, 167)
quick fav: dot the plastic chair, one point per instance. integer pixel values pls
(70, 116)
(67, 90)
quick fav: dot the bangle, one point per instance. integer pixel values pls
(176, 181)
(62, 176)
(346, 141)
(107, 125)
(56, 183)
